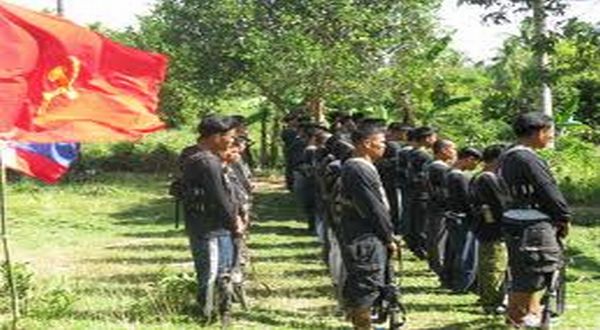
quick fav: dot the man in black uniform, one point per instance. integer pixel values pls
(536, 216)
(444, 152)
(487, 204)
(418, 192)
(210, 213)
(367, 232)
(389, 169)
(403, 180)
(460, 261)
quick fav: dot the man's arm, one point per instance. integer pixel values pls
(547, 192)
(363, 191)
(217, 196)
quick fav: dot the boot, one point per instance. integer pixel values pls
(360, 318)
(518, 306)
(521, 305)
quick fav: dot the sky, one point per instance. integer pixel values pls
(475, 39)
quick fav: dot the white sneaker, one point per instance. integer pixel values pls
(532, 321)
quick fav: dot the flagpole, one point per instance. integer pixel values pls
(4, 233)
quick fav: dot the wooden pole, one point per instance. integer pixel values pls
(4, 233)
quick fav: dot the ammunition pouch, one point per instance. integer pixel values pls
(532, 243)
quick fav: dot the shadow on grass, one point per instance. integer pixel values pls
(265, 290)
(139, 260)
(484, 323)
(263, 229)
(306, 273)
(155, 212)
(282, 318)
(303, 258)
(275, 206)
(284, 245)
(150, 247)
(587, 216)
(156, 234)
(580, 261)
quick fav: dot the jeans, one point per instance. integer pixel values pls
(213, 257)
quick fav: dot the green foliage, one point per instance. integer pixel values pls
(172, 295)
(53, 303)
(155, 153)
(577, 167)
(22, 277)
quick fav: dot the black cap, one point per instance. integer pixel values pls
(399, 127)
(239, 120)
(493, 151)
(469, 152)
(215, 124)
(422, 132)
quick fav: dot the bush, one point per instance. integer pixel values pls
(53, 303)
(171, 296)
(23, 281)
(577, 168)
(155, 153)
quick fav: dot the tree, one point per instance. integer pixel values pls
(294, 53)
(540, 10)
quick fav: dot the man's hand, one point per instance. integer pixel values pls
(392, 249)
(563, 228)
(239, 226)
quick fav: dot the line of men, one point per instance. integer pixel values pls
(361, 183)
(216, 190)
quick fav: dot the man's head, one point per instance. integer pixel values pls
(468, 159)
(534, 129)
(240, 125)
(369, 140)
(491, 155)
(397, 131)
(425, 136)
(217, 132)
(445, 150)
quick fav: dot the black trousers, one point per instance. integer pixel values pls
(437, 239)
(416, 236)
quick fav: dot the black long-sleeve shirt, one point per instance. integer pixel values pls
(485, 191)
(436, 174)
(365, 209)
(531, 184)
(458, 191)
(208, 202)
(418, 159)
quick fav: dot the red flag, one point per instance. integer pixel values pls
(63, 83)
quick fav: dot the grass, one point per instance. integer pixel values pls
(103, 245)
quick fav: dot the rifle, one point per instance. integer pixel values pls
(554, 299)
(389, 307)
(177, 212)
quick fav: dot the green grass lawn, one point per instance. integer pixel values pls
(105, 255)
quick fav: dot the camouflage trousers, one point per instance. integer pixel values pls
(491, 274)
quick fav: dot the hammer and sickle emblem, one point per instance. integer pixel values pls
(63, 78)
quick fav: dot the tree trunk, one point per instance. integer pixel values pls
(264, 137)
(316, 106)
(275, 138)
(542, 58)
(60, 8)
(405, 107)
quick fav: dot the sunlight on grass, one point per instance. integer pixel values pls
(109, 242)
